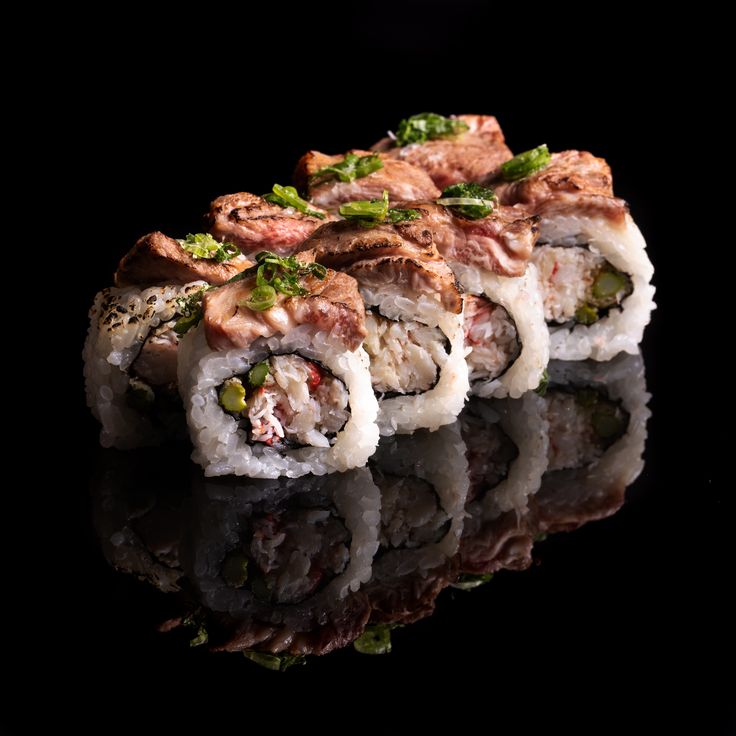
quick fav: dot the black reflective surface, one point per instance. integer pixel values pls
(626, 623)
(286, 570)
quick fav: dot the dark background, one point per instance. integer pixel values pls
(624, 622)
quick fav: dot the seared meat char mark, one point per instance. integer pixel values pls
(254, 224)
(399, 178)
(157, 258)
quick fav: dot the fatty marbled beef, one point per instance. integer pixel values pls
(472, 156)
(254, 224)
(157, 258)
(399, 178)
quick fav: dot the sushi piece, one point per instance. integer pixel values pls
(279, 565)
(130, 354)
(591, 257)
(462, 148)
(413, 320)
(274, 380)
(488, 249)
(330, 181)
(277, 222)
(597, 416)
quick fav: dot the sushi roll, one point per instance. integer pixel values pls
(274, 379)
(413, 319)
(597, 417)
(488, 247)
(278, 565)
(130, 354)
(591, 258)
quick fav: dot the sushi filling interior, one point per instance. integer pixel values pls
(577, 284)
(289, 555)
(583, 424)
(287, 401)
(406, 356)
(411, 513)
(152, 375)
(491, 334)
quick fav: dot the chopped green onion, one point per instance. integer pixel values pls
(235, 569)
(275, 662)
(190, 309)
(526, 164)
(257, 374)
(260, 299)
(199, 638)
(232, 396)
(427, 126)
(469, 200)
(352, 167)
(374, 640)
(371, 211)
(396, 215)
(289, 197)
(586, 314)
(540, 537)
(203, 245)
(607, 284)
(541, 389)
(467, 581)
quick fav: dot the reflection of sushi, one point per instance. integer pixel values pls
(507, 453)
(423, 482)
(275, 381)
(591, 257)
(597, 415)
(414, 320)
(279, 565)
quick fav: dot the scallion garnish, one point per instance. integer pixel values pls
(466, 581)
(289, 197)
(190, 309)
(370, 213)
(277, 662)
(277, 274)
(203, 245)
(526, 164)
(469, 200)
(376, 639)
(352, 167)
(427, 126)
(541, 389)
(258, 374)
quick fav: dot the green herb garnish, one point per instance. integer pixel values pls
(277, 274)
(541, 389)
(257, 374)
(469, 200)
(352, 167)
(190, 309)
(428, 126)
(526, 164)
(467, 581)
(203, 245)
(374, 640)
(370, 213)
(276, 662)
(289, 197)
